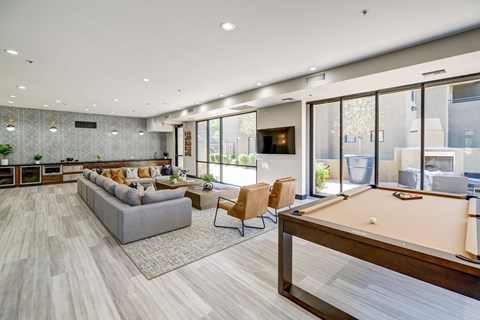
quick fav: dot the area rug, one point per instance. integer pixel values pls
(163, 253)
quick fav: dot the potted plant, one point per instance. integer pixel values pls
(165, 155)
(322, 174)
(5, 150)
(174, 178)
(208, 181)
(37, 157)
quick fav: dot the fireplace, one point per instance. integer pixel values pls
(440, 161)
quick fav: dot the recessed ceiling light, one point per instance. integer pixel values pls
(86, 109)
(312, 68)
(143, 115)
(197, 102)
(11, 96)
(11, 51)
(178, 108)
(258, 84)
(364, 12)
(116, 100)
(10, 101)
(94, 105)
(58, 101)
(227, 26)
(45, 105)
(222, 95)
(145, 79)
(112, 111)
(22, 87)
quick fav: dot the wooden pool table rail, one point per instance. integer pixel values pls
(433, 266)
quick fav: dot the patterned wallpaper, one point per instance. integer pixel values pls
(32, 135)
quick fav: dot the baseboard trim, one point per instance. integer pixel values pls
(300, 196)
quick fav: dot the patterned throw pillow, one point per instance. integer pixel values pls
(143, 172)
(155, 171)
(150, 188)
(132, 173)
(106, 173)
(140, 189)
(166, 170)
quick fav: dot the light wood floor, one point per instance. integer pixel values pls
(58, 262)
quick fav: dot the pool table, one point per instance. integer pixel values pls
(435, 239)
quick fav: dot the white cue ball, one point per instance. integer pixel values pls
(373, 220)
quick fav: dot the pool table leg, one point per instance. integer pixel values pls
(284, 260)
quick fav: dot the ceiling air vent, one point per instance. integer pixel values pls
(166, 117)
(434, 73)
(85, 125)
(243, 108)
(288, 99)
(314, 78)
(190, 110)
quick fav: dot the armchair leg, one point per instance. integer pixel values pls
(241, 230)
(275, 215)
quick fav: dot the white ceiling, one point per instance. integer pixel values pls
(92, 52)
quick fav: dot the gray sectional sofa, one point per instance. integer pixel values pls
(127, 215)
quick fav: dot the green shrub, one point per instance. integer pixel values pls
(322, 174)
(243, 159)
(215, 157)
(252, 158)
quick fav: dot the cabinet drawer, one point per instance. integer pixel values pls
(57, 178)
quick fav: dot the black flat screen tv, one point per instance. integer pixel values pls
(276, 140)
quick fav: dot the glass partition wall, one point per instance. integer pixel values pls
(227, 148)
(396, 143)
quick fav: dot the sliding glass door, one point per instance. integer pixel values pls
(227, 148)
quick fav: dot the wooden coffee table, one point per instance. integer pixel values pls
(208, 199)
(167, 184)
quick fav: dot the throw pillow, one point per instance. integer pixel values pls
(167, 170)
(110, 185)
(150, 188)
(143, 172)
(128, 195)
(118, 179)
(118, 172)
(155, 171)
(132, 173)
(141, 189)
(176, 170)
(163, 195)
(106, 173)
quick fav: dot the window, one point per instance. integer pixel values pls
(229, 153)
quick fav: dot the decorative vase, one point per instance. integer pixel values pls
(360, 168)
(37, 161)
(4, 162)
(174, 181)
(207, 186)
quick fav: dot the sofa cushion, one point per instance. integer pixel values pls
(163, 195)
(86, 173)
(155, 171)
(141, 189)
(131, 173)
(166, 170)
(93, 176)
(143, 172)
(100, 180)
(130, 196)
(109, 185)
(117, 172)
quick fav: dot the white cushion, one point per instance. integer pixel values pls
(155, 171)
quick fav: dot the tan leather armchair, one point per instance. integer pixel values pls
(282, 195)
(252, 202)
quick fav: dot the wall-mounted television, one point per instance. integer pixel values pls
(276, 140)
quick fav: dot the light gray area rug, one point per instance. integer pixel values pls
(163, 253)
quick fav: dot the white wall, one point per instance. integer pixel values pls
(273, 166)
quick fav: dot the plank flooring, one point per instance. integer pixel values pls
(57, 261)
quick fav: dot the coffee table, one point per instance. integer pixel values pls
(208, 199)
(167, 184)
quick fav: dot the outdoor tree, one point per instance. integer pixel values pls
(358, 119)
